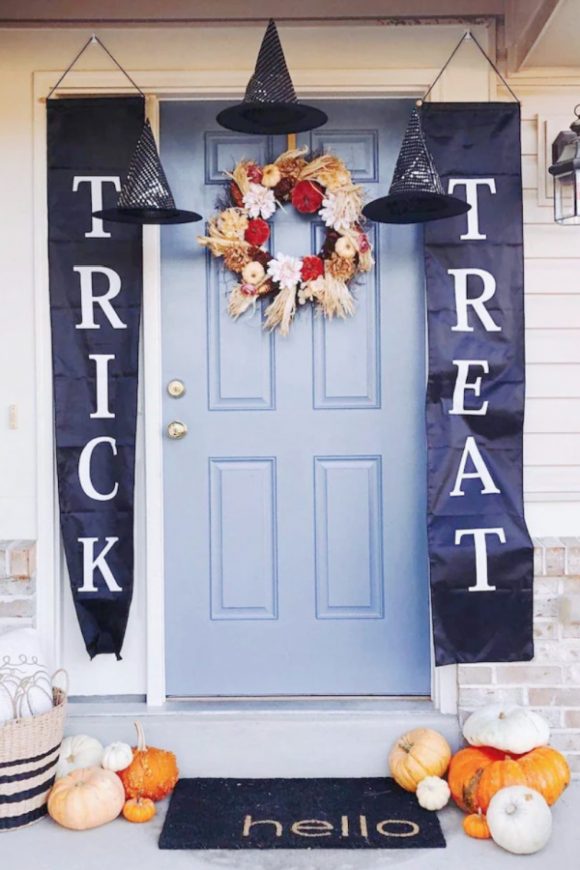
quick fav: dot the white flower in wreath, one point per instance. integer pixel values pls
(285, 270)
(340, 210)
(259, 201)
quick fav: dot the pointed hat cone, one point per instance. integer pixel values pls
(270, 105)
(416, 194)
(145, 196)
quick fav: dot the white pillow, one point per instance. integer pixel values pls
(25, 684)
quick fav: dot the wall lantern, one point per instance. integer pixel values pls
(566, 172)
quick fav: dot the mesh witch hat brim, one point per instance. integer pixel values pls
(416, 194)
(414, 207)
(146, 196)
(270, 105)
(271, 118)
(148, 215)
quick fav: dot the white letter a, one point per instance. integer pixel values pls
(471, 451)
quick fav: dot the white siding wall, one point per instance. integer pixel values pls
(552, 265)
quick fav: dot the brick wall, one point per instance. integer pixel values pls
(550, 683)
(17, 583)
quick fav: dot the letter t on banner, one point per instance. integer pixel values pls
(95, 283)
(478, 540)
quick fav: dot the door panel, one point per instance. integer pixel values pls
(348, 544)
(296, 557)
(247, 587)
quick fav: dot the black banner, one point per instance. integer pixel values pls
(95, 278)
(481, 555)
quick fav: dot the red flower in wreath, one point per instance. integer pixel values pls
(236, 194)
(363, 243)
(257, 232)
(312, 268)
(254, 173)
(307, 197)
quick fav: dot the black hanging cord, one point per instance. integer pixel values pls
(468, 35)
(94, 40)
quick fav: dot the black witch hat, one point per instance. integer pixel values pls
(270, 104)
(416, 193)
(145, 196)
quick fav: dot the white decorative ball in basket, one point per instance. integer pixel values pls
(31, 731)
(25, 686)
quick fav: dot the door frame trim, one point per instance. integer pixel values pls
(227, 84)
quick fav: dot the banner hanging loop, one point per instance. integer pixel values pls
(468, 36)
(93, 40)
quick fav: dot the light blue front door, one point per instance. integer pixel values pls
(295, 535)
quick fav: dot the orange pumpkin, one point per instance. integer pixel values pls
(476, 826)
(152, 773)
(139, 810)
(477, 773)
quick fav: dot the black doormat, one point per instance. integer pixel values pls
(297, 814)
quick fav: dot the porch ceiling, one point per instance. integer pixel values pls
(557, 44)
(22, 12)
(531, 32)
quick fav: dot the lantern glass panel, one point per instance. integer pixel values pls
(567, 197)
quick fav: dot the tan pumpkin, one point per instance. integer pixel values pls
(475, 825)
(416, 755)
(86, 798)
(139, 810)
(152, 773)
(477, 773)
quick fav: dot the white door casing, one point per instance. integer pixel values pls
(146, 623)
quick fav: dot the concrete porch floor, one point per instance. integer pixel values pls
(122, 846)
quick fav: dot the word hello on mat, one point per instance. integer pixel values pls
(362, 827)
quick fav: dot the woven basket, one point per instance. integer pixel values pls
(29, 751)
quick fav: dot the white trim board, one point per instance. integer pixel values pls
(149, 528)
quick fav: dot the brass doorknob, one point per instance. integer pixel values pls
(176, 430)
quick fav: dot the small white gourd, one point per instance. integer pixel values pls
(433, 793)
(519, 819)
(117, 756)
(78, 752)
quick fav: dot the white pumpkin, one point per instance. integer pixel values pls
(77, 752)
(433, 793)
(519, 819)
(117, 756)
(507, 727)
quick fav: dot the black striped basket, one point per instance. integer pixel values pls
(29, 751)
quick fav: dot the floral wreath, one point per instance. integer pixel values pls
(239, 232)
